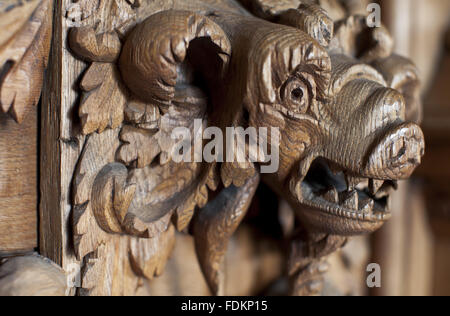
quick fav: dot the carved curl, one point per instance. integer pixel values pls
(153, 52)
(25, 32)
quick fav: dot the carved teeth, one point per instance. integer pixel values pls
(296, 189)
(368, 206)
(351, 200)
(352, 182)
(332, 195)
(383, 192)
(375, 185)
(364, 184)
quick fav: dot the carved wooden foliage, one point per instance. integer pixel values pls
(25, 30)
(103, 102)
(126, 171)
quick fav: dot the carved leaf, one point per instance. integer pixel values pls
(104, 100)
(95, 48)
(105, 15)
(214, 226)
(99, 151)
(184, 114)
(140, 145)
(123, 265)
(117, 264)
(213, 179)
(111, 197)
(184, 213)
(236, 173)
(143, 115)
(25, 32)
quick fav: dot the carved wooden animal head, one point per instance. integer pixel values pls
(341, 125)
(345, 138)
(345, 112)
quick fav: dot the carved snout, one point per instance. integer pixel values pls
(388, 146)
(398, 154)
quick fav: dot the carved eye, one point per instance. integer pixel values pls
(295, 95)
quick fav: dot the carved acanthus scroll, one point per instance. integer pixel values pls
(25, 34)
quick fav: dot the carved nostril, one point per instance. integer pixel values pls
(398, 154)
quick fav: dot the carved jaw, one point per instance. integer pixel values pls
(332, 192)
(354, 199)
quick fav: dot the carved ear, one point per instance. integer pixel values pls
(353, 37)
(155, 58)
(402, 75)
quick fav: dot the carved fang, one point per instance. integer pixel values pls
(375, 185)
(368, 206)
(332, 195)
(351, 200)
(352, 182)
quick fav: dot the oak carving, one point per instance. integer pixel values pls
(346, 106)
(25, 34)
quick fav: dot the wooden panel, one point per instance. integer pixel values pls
(18, 183)
(24, 43)
(59, 148)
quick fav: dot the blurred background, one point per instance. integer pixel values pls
(413, 249)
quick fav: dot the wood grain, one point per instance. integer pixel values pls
(18, 183)
(24, 47)
(108, 125)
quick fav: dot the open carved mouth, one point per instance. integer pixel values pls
(330, 189)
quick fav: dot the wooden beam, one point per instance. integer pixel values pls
(24, 44)
(60, 144)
